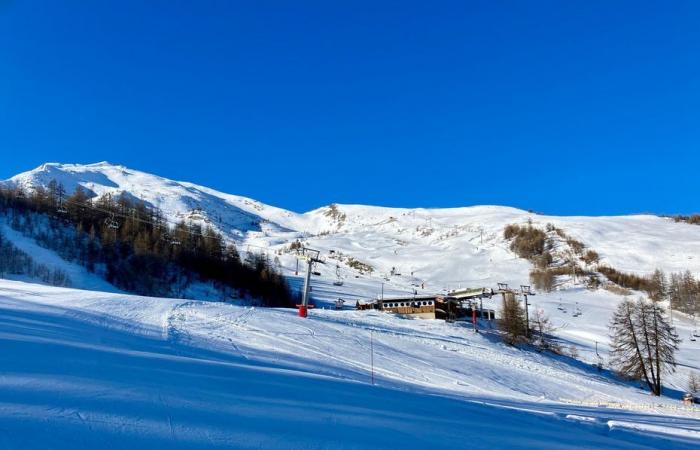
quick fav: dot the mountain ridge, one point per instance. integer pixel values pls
(469, 237)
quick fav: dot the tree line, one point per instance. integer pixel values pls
(681, 289)
(135, 248)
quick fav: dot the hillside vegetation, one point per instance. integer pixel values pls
(133, 247)
(554, 253)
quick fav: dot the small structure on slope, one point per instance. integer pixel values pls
(459, 304)
(420, 306)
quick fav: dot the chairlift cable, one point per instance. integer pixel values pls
(162, 223)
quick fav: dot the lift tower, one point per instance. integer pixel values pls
(311, 256)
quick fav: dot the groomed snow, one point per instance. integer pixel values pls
(83, 369)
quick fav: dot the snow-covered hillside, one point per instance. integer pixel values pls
(83, 369)
(204, 374)
(456, 245)
(232, 214)
(428, 250)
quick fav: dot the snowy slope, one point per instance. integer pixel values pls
(467, 240)
(179, 200)
(79, 277)
(84, 369)
(432, 249)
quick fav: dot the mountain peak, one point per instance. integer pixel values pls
(230, 214)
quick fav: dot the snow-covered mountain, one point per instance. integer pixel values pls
(231, 214)
(253, 364)
(428, 250)
(439, 246)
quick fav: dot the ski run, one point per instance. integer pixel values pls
(93, 367)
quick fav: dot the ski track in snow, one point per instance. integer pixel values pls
(432, 360)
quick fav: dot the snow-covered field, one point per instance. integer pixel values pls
(83, 369)
(106, 369)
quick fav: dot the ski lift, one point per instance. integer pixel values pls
(577, 311)
(112, 223)
(61, 209)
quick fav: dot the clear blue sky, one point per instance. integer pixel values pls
(563, 107)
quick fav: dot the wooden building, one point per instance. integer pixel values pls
(420, 306)
(464, 304)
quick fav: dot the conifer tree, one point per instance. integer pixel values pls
(512, 323)
(643, 343)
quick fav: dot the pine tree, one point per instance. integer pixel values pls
(658, 286)
(512, 323)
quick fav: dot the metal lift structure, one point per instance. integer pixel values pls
(311, 257)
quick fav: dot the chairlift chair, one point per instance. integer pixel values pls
(112, 223)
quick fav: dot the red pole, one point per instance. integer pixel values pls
(474, 319)
(371, 352)
(302, 311)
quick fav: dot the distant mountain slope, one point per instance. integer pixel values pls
(178, 200)
(440, 246)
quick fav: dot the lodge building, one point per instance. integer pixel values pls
(456, 305)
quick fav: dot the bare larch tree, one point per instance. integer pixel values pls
(643, 342)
